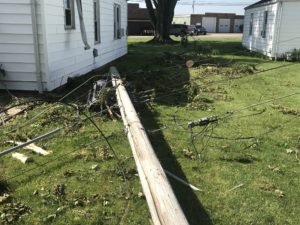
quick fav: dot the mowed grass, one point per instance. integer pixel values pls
(241, 164)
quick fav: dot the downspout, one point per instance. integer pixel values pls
(82, 26)
(278, 28)
(39, 79)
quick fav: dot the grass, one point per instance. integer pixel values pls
(266, 176)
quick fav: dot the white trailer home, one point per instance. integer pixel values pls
(44, 42)
(272, 27)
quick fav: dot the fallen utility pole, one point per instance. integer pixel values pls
(15, 148)
(162, 202)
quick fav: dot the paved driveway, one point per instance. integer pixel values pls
(221, 35)
(210, 35)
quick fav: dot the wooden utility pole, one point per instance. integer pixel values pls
(162, 202)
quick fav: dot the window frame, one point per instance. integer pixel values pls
(265, 24)
(251, 24)
(71, 10)
(117, 21)
(97, 33)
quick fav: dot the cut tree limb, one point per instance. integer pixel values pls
(162, 202)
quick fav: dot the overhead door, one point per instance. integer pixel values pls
(210, 23)
(238, 25)
(224, 26)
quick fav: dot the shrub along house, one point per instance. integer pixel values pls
(43, 43)
(272, 27)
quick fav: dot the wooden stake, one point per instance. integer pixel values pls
(162, 202)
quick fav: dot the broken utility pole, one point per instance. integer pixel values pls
(162, 202)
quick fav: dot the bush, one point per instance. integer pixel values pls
(295, 55)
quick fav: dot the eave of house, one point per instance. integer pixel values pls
(260, 3)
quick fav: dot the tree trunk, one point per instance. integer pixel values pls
(161, 18)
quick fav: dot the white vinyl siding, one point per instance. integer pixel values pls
(289, 35)
(61, 51)
(254, 40)
(66, 54)
(17, 52)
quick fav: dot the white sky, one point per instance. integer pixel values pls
(220, 6)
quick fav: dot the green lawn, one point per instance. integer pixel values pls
(241, 164)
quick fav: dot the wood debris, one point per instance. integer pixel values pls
(21, 157)
(32, 147)
(11, 113)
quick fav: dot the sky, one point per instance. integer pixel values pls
(184, 7)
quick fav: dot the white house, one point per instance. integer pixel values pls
(272, 27)
(44, 42)
(182, 19)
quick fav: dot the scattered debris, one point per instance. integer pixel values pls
(32, 147)
(275, 169)
(4, 198)
(188, 154)
(236, 187)
(12, 212)
(268, 186)
(294, 151)
(59, 191)
(50, 218)
(30, 142)
(279, 193)
(95, 167)
(286, 110)
(11, 113)
(68, 173)
(94, 94)
(21, 157)
(80, 201)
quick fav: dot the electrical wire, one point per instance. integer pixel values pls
(29, 121)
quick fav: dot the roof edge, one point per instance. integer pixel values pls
(261, 3)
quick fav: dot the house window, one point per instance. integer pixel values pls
(264, 31)
(97, 21)
(251, 24)
(69, 14)
(117, 21)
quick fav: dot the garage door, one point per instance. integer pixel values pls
(224, 25)
(238, 25)
(210, 23)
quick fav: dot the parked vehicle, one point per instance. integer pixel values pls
(192, 30)
(179, 30)
(200, 30)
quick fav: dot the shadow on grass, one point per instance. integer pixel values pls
(188, 200)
